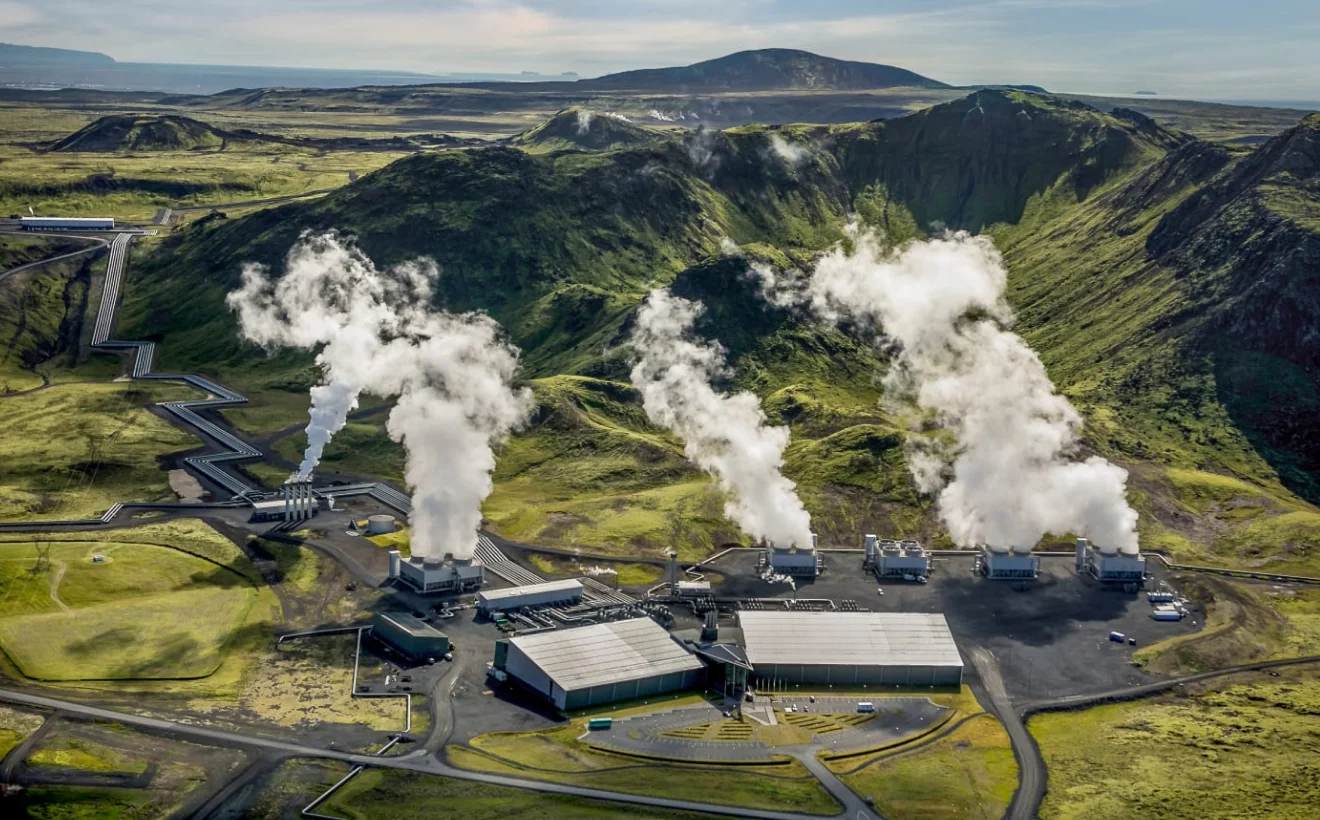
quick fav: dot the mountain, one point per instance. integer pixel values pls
(12, 56)
(768, 69)
(143, 132)
(1167, 283)
(587, 130)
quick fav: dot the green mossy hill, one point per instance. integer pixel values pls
(585, 130)
(1167, 284)
(144, 132)
(978, 161)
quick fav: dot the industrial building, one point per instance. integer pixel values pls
(896, 559)
(551, 593)
(798, 561)
(66, 223)
(436, 576)
(602, 663)
(851, 648)
(409, 635)
(297, 502)
(1108, 565)
(1008, 563)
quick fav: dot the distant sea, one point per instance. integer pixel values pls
(209, 79)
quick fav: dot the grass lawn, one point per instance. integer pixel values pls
(73, 450)
(87, 755)
(969, 773)
(556, 754)
(174, 635)
(1248, 750)
(395, 795)
(624, 573)
(166, 601)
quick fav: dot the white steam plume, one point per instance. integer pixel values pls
(724, 434)
(1013, 475)
(791, 153)
(451, 374)
(331, 294)
(583, 121)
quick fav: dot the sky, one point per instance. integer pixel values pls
(1207, 49)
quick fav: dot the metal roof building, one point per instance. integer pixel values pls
(602, 663)
(846, 648)
(410, 635)
(550, 592)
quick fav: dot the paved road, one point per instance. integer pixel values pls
(418, 761)
(1031, 767)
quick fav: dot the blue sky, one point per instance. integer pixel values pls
(1210, 49)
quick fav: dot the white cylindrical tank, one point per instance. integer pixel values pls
(1081, 553)
(396, 562)
(380, 524)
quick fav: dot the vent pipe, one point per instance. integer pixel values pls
(1081, 553)
(396, 562)
(673, 572)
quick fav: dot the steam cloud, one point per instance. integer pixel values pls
(452, 374)
(1011, 476)
(724, 434)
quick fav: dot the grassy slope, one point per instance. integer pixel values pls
(146, 611)
(1245, 752)
(74, 449)
(562, 247)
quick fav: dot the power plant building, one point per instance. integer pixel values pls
(602, 663)
(1008, 563)
(896, 559)
(411, 636)
(801, 561)
(434, 576)
(1108, 565)
(851, 648)
(551, 593)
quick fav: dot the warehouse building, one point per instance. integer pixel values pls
(551, 593)
(602, 663)
(850, 648)
(409, 635)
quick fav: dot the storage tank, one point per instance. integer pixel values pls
(380, 524)
(396, 562)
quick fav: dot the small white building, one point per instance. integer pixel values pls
(1009, 563)
(551, 593)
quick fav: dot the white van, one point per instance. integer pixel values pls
(866, 706)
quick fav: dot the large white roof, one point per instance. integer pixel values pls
(566, 585)
(606, 653)
(848, 639)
